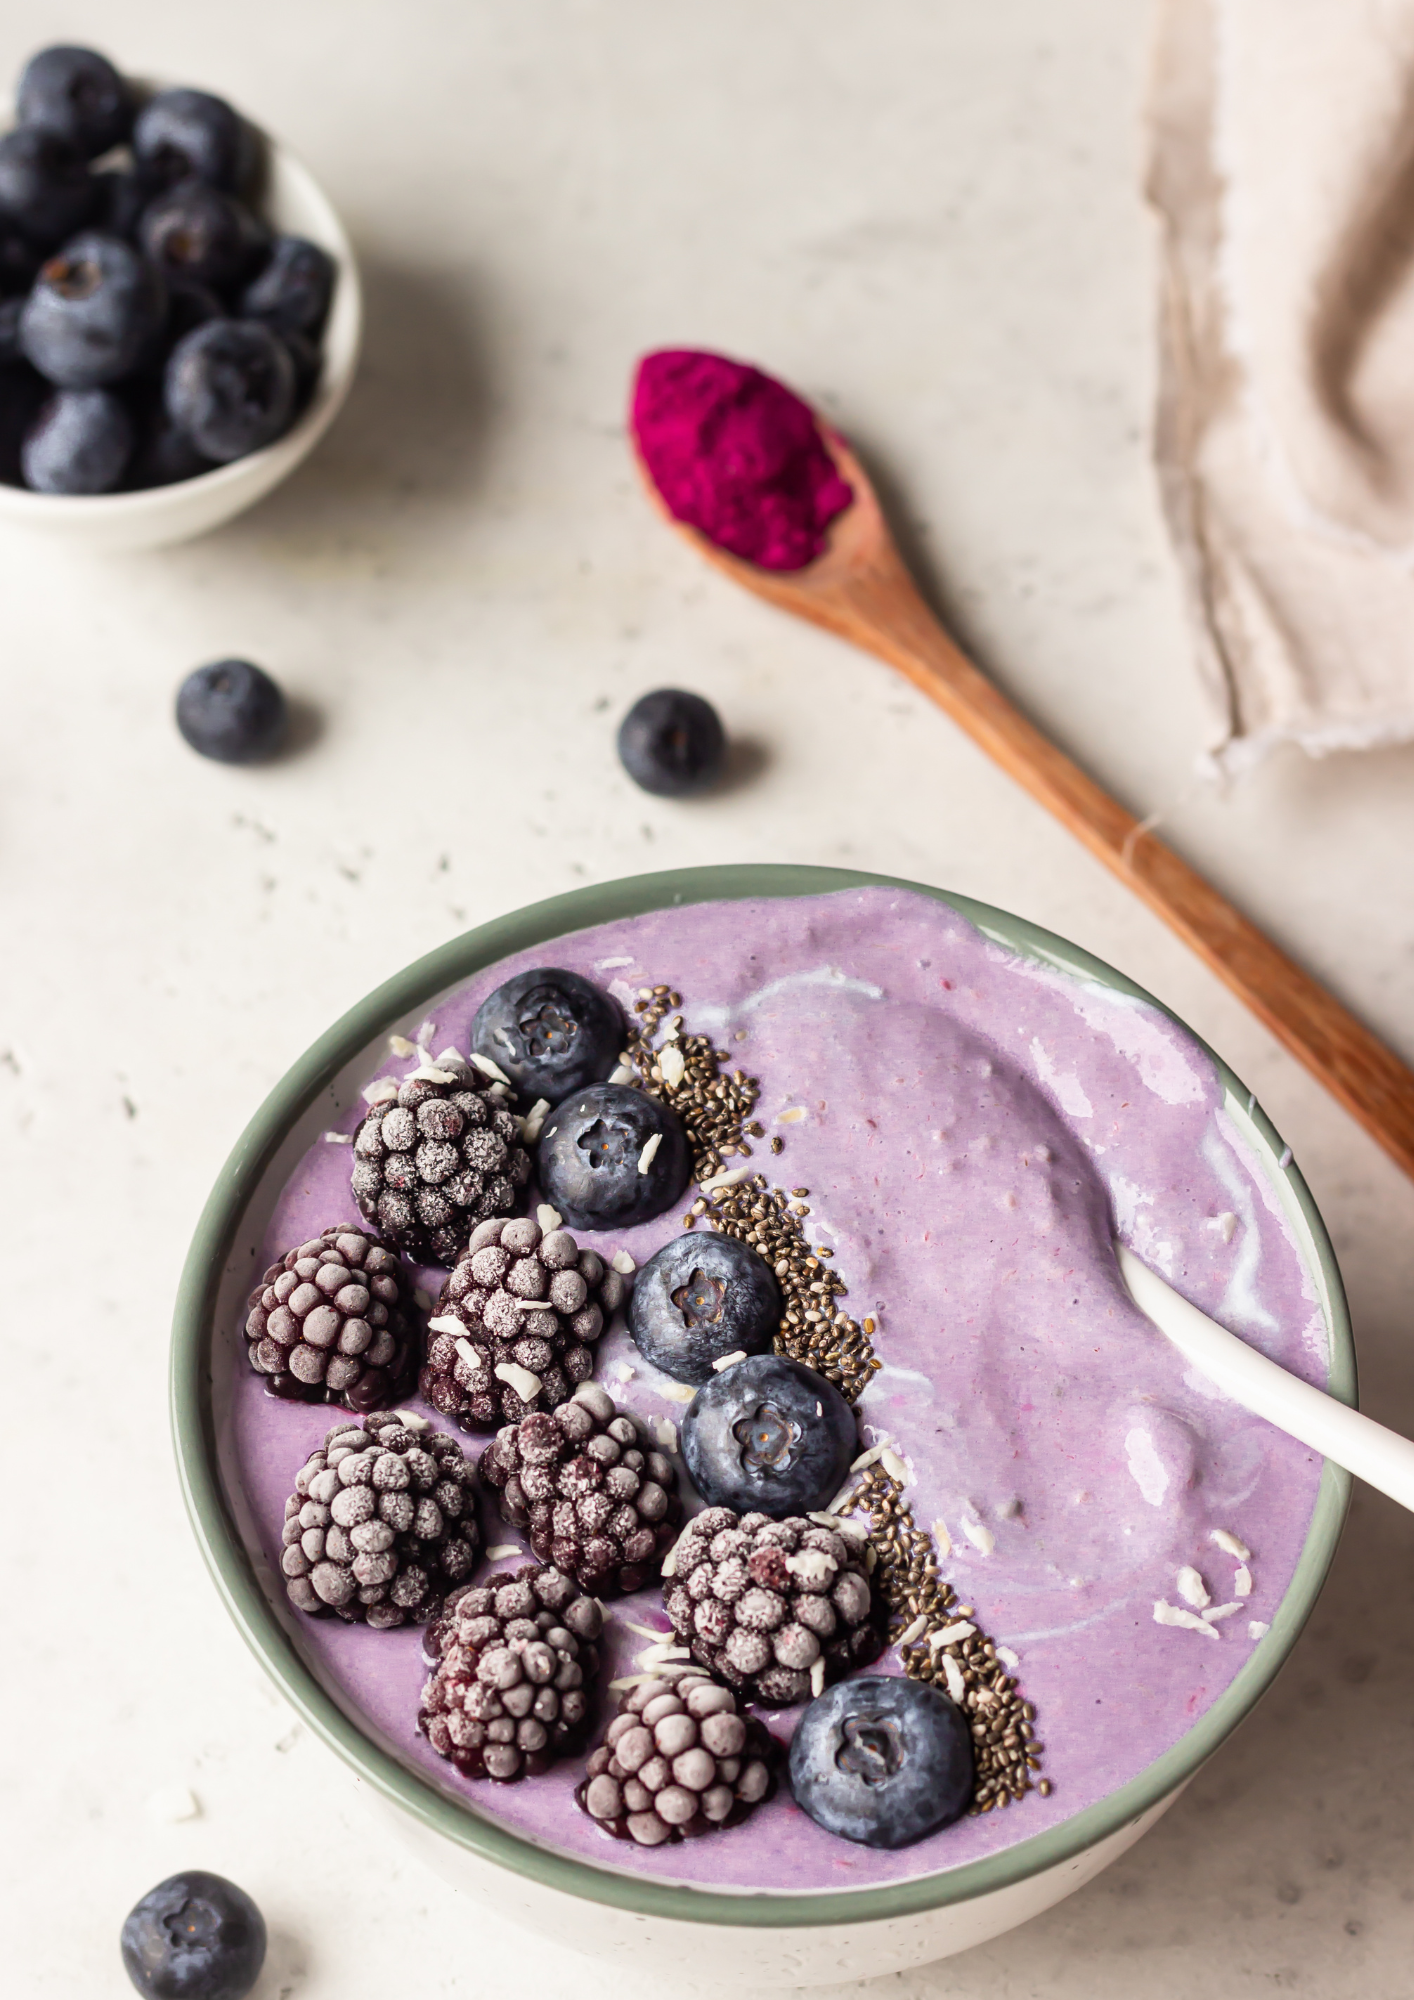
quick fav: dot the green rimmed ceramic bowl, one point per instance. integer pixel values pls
(776, 1939)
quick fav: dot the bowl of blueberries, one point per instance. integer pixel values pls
(180, 311)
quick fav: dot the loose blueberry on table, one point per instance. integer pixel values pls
(768, 1435)
(882, 1760)
(550, 1031)
(672, 743)
(151, 268)
(699, 1299)
(610, 1157)
(231, 711)
(194, 1937)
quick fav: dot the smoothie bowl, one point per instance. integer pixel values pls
(782, 1131)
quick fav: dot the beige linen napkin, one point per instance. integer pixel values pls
(1282, 168)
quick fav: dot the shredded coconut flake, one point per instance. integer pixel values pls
(913, 1633)
(729, 1360)
(381, 1091)
(548, 1218)
(894, 1465)
(501, 1551)
(1257, 1628)
(1191, 1588)
(728, 1178)
(669, 1564)
(951, 1635)
(659, 1655)
(942, 1538)
(980, 1536)
(1216, 1611)
(1242, 1582)
(839, 1500)
(411, 1421)
(526, 1385)
(645, 1158)
(1230, 1545)
(401, 1046)
(679, 1392)
(623, 1074)
(622, 1262)
(665, 1434)
(868, 1458)
(952, 1674)
(533, 1122)
(1172, 1614)
(817, 1677)
(445, 1323)
(793, 1116)
(672, 1063)
(644, 1631)
(1007, 1657)
(430, 1073)
(491, 1069)
(337, 1138)
(173, 1804)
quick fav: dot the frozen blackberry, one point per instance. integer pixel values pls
(774, 1608)
(588, 1495)
(435, 1156)
(515, 1327)
(382, 1522)
(334, 1321)
(513, 1668)
(678, 1760)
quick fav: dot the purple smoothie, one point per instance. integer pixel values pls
(967, 1122)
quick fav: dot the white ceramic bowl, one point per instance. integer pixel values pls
(296, 205)
(754, 1940)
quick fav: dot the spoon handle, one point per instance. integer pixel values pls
(1381, 1458)
(880, 610)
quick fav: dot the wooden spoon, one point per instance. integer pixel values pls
(860, 589)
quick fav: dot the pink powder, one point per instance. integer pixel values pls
(737, 456)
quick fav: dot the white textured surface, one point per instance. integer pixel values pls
(926, 216)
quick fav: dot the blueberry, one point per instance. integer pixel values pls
(194, 1937)
(672, 743)
(230, 386)
(78, 94)
(550, 1031)
(882, 1760)
(196, 231)
(699, 1298)
(163, 454)
(768, 1436)
(186, 134)
(292, 293)
(80, 442)
(46, 190)
(591, 1162)
(94, 309)
(308, 364)
(231, 711)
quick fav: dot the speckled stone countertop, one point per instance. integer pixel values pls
(929, 219)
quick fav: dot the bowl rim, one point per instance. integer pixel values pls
(193, 1427)
(21, 506)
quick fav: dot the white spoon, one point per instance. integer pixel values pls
(1381, 1458)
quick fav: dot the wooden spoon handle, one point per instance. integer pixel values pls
(881, 610)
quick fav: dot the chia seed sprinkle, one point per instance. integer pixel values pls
(922, 1610)
(715, 1105)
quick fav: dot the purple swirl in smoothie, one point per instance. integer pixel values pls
(972, 1126)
